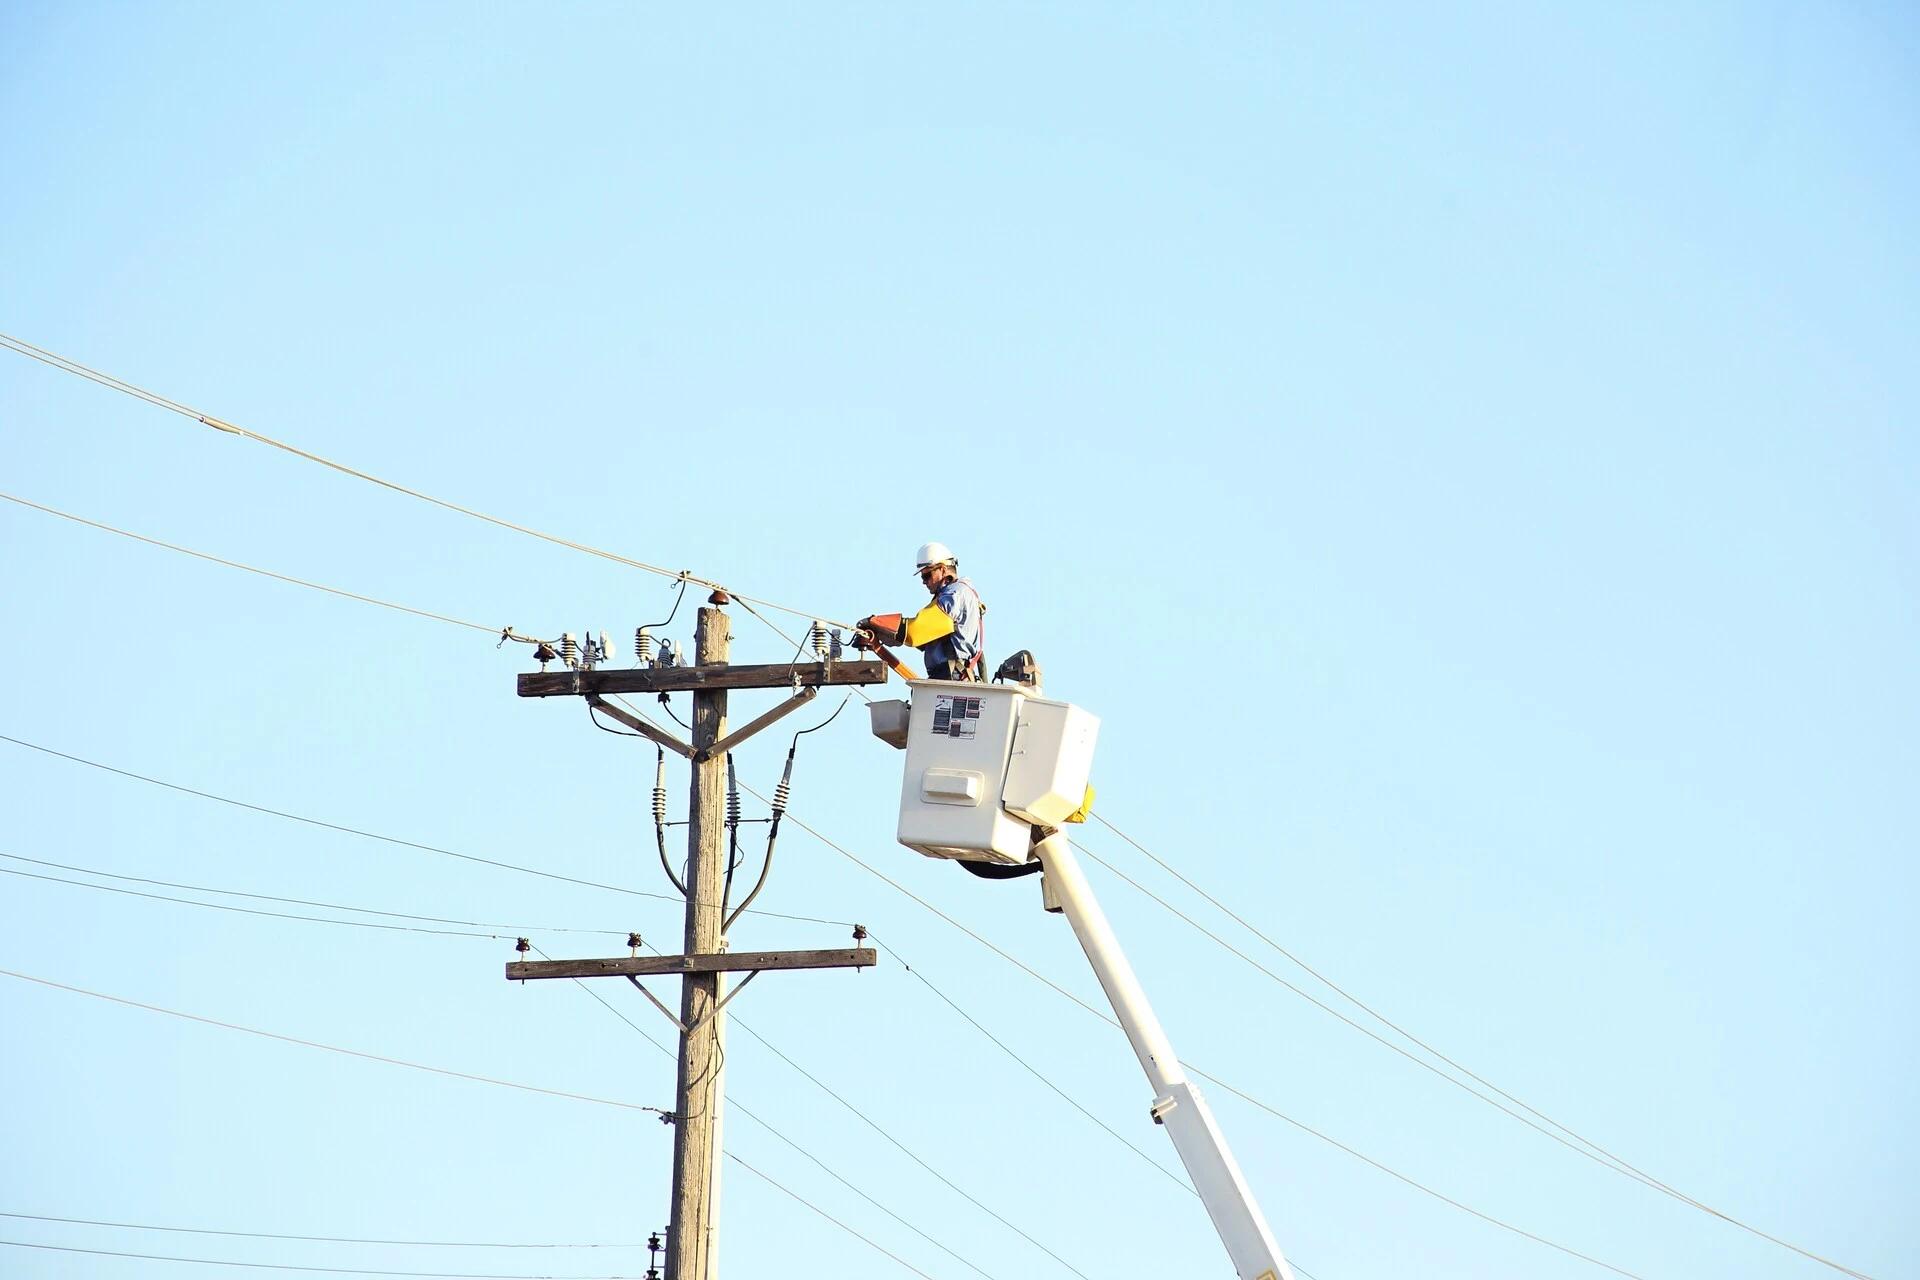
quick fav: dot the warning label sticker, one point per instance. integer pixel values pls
(955, 716)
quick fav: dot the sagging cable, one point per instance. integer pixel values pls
(660, 817)
(780, 795)
(733, 831)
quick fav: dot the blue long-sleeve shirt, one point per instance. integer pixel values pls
(960, 602)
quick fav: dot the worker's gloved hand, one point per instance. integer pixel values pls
(886, 628)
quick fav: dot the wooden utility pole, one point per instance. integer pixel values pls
(691, 1233)
(690, 1230)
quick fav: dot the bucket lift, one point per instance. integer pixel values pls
(991, 771)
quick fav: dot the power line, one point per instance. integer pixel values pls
(517, 929)
(1034, 1071)
(805, 827)
(907, 1151)
(276, 1235)
(1596, 1152)
(884, 878)
(1586, 1147)
(445, 1071)
(1607, 1159)
(751, 1115)
(265, 573)
(392, 840)
(330, 1048)
(845, 853)
(792, 1194)
(1371, 1034)
(289, 1266)
(1108, 1019)
(247, 911)
(66, 365)
(861, 1115)
(742, 1108)
(511, 929)
(1417, 1186)
(683, 577)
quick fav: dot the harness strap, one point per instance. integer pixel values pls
(978, 663)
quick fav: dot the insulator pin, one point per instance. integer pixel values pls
(818, 635)
(643, 644)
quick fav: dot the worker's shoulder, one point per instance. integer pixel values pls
(960, 590)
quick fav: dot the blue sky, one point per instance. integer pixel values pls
(1466, 457)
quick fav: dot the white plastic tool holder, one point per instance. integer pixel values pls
(986, 763)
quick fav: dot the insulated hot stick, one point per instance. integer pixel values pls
(899, 668)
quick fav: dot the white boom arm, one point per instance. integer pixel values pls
(1177, 1103)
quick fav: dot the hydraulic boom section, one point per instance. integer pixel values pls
(1177, 1103)
(991, 771)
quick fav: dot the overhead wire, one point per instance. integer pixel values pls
(905, 1150)
(1034, 1071)
(735, 1104)
(281, 1235)
(1587, 1147)
(67, 365)
(517, 929)
(254, 569)
(249, 911)
(804, 826)
(862, 1116)
(446, 1071)
(385, 839)
(1335, 1013)
(1421, 1187)
(288, 1266)
(1603, 1156)
(1267, 1107)
(330, 1048)
(306, 902)
(1598, 1154)
(977, 937)
(794, 1195)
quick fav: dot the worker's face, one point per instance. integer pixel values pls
(936, 576)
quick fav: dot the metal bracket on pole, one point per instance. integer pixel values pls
(710, 1014)
(671, 1015)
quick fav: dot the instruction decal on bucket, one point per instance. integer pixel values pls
(955, 716)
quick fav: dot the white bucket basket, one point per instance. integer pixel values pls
(986, 763)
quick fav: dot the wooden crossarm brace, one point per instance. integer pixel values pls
(755, 725)
(639, 726)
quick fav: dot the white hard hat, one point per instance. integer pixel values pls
(932, 553)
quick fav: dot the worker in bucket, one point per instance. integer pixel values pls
(949, 631)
